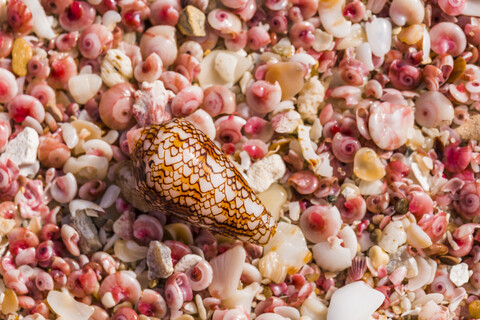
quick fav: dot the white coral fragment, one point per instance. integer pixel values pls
(263, 173)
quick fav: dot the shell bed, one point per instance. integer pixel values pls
(239, 159)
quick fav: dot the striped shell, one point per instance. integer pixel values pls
(180, 171)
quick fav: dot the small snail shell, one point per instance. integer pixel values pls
(179, 170)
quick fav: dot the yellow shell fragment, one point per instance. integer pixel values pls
(21, 55)
(367, 165)
(289, 76)
(411, 34)
(10, 302)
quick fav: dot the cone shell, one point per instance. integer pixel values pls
(180, 171)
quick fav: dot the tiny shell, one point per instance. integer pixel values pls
(290, 244)
(66, 307)
(84, 87)
(379, 35)
(129, 251)
(314, 308)
(21, 55)
(209, 75)
(393, 236)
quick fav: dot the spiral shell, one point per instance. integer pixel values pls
(179, 170)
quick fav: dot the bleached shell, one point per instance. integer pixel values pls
(209, 68)
(41, 25)
(355, 301)
(379, 35)
(129, 251)
(332, 18)
(84, 87)
(332, 256)
(393, 236)
(87, 167)
(227, 270)
(66, 307)
(426, 272)
(243, 297)
(314, 308)
(291, 246)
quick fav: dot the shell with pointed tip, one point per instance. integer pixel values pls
(181, 171)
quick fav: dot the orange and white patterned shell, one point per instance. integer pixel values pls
(180, 171)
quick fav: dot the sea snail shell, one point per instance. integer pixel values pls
(180, 171)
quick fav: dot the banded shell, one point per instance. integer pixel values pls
(180, 171)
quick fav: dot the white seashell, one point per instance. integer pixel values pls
(421, 178)
(370, 188)
(41, 25)
(364, 54)
(355, 301)
(243, 297)
(263, 173)
(64, 196)
(291, 246)
(110, 196)
(287, 312)
(319, 162)
(379, 35)
(111, 136)
(349, 240)
(331, 255)
(225, 65)
(116, 67)
(129, 251)
(66, 307)
(314, 308)
(417, 237)
(186, 262)
(332, 18)
(422, 300)
(270, 316)
(426, 44)
(430, 310)
(408, 12)
(227, 270)
(355, 38)
(98, 146)
(69, 135)
(393, 236)
(209, 74)
(251, 272)
(271, 267)
(87, 167)
(84, 87)
(323, 40)
(426, 273)
(79, 204)
(110, 19)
